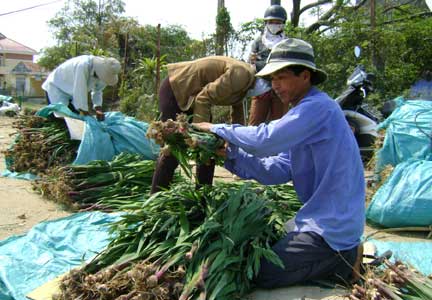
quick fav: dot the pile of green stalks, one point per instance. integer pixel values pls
(218, 235)
(100, 184)
(394, 281)
(185, 142)
(40, 144)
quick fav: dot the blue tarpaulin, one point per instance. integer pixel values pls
(408, 134)
(50, 249)
(416, 254)
(104, 140)
(405, 199)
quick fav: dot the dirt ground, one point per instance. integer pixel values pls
(20, 207)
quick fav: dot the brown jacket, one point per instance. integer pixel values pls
(214, 80)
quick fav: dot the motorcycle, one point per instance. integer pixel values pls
(361, 120)
(8, 108)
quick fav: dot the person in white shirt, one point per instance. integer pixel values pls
(71, 82)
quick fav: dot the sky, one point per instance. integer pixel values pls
(30, 28)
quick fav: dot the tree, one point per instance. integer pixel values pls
(85, 21)
(81, 27)
(224, 29)
(406, 53)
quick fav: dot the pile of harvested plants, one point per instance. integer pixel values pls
(218, 235)
(185, 142)
(379, 141)
(128, 281)
(99, 184)
(396, 281)
(40, 144)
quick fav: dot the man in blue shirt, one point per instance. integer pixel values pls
(312, 146)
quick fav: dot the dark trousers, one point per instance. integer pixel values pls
(306, 257)
(167, 164)
(265, 108)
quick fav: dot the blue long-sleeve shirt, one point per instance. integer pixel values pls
(313, 146)
(73, 80)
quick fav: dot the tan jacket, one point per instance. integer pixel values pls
(214, 80)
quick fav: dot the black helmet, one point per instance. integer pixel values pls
(275, 12)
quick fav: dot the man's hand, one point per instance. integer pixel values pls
(83, 112)
(253, 58)
(222, 151)
(100, 116)
(203, 126)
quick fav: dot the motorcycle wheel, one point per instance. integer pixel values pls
(365, 142)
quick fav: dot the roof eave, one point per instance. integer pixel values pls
(19, 52)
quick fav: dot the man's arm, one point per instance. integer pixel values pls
(277, 136)
(269, 170)
(97, 99)
(97, 94)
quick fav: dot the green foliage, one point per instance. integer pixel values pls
(99, 52)
(139, 99)
(140, 81)
(242, 38)
(84, 26)
(92, 27)
(84, 20)
(396, 66)
(224, 31)
(136, 104)
(144, 73)
(53, 56)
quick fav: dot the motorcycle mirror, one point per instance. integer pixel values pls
(357, 51)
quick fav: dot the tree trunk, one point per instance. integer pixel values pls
(295, 13)
(220, 39)
(158, 66)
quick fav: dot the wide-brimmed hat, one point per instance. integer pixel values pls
(107, 69)
(292, 52)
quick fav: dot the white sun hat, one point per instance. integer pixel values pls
(107, 69)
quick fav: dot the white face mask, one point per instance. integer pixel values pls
(275, 28)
